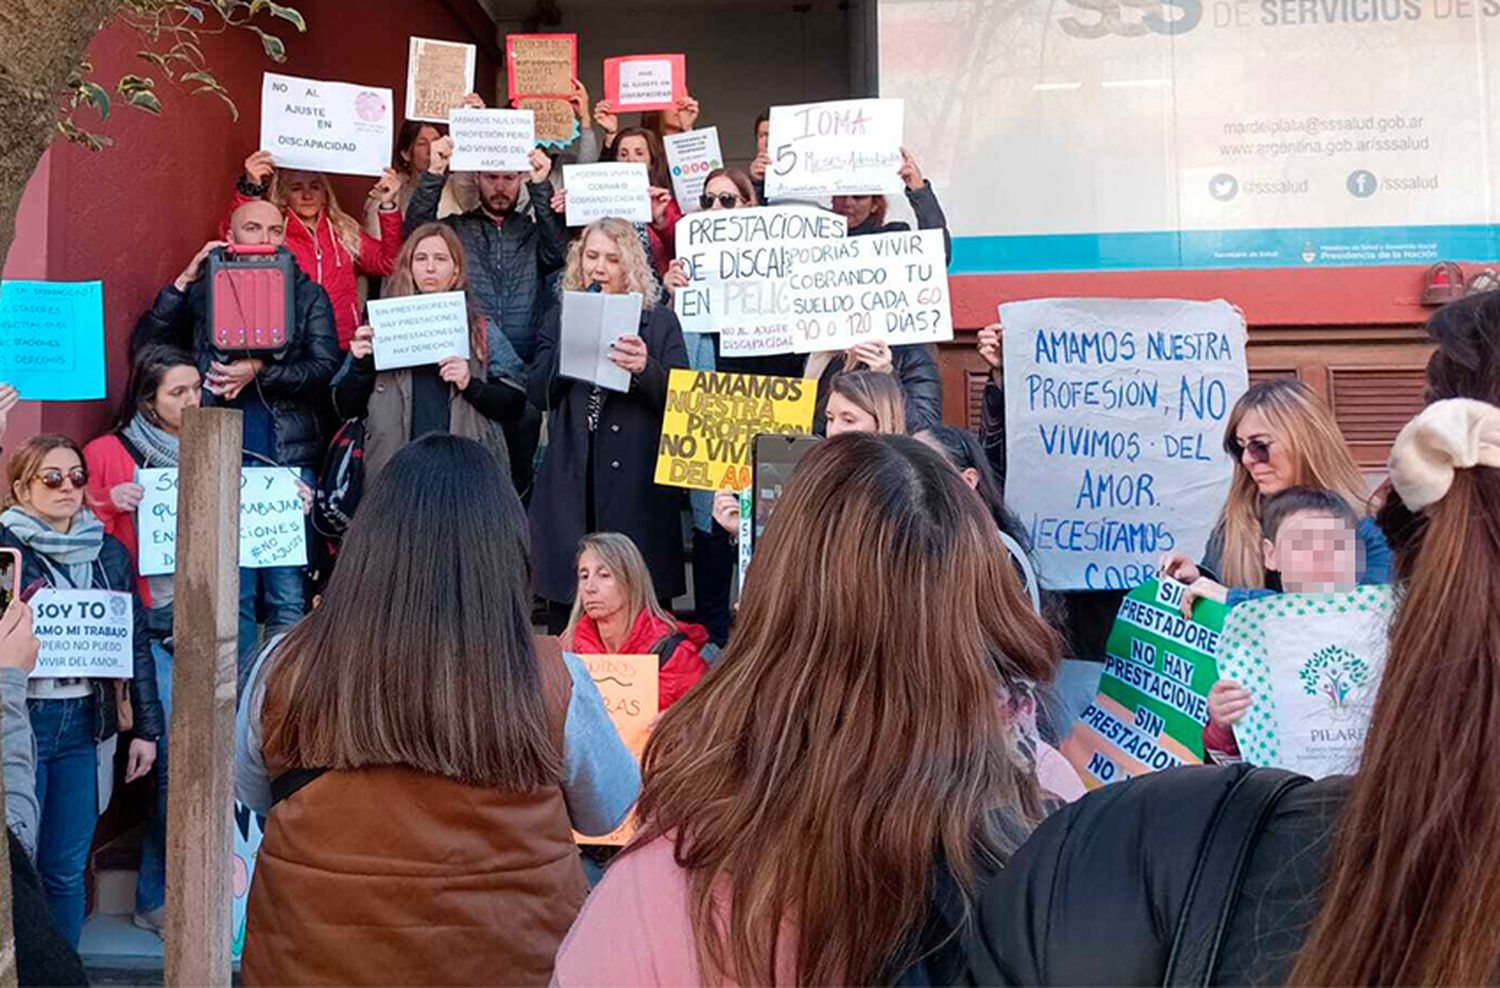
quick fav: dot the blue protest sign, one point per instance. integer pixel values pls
(52, 339)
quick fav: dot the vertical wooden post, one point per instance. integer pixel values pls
(200, 795)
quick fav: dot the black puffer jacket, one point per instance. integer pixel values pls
(113, 570)
(508, 266)
(915, 366)
(1095, 896)
(296, 378)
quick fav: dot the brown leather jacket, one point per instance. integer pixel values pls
(390, 876)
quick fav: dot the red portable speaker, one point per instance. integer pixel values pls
(250, 297)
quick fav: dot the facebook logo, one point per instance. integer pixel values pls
(1361, 184)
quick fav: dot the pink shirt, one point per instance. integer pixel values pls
(635, 928)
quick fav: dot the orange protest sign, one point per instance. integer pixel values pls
(628, 684)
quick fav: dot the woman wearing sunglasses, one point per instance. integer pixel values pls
(63, 544)
(1280, 435)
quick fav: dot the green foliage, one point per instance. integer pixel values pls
(171, 33)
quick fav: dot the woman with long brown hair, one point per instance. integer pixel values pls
(1280, 435)
(823, 806)
(1382, 878)
(420, 755)
(454, 395)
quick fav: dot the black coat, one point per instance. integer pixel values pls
(113, 570)
(296, 378)
(1094, 897)
(626, 498)
(508, 266)
(916, 369)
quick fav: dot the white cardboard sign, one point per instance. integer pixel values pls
(738, 262)
(691, 155)
(272, 529)
(322, 126)
(84, 633)
(891, 287)
(415, 330)
(840, 148)
(620, 189)
(1114, 420)
(492, 140)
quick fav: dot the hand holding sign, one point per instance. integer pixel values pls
(1227, 703)
(9, 398)
(628, 353)
(989, 344)
(18, 645)
(259, 168)
(363, 344)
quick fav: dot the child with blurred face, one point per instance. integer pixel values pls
(1309, 538)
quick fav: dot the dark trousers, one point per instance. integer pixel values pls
(521, 439)
(715, 559)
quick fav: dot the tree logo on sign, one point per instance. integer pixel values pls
(1337, 675)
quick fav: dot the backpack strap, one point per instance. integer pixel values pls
(289, 783)
(667, 647)
(1220, 871)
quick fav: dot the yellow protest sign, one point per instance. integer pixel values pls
(628, 684)
(712, 420)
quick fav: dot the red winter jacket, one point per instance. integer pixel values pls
(327, 261)
(679, 674)
(110, 465)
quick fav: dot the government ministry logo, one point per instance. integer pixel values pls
(1336, 674)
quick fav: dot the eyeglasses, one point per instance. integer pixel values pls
(726, 200)
(52, 478)
(1259, 449)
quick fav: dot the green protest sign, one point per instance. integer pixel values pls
(1153, 695)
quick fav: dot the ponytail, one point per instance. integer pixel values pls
(1411, 895)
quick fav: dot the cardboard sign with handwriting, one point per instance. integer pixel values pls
(628, 684)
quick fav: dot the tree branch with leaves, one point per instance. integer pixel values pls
(47, 84)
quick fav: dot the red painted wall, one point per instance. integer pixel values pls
(135, 213)
(1280, 297)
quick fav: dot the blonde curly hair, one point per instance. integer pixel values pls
(638, 274)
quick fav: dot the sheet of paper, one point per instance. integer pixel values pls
(691, 155)
(322, 126)
(631, 692)
(52, 339)
(273, 530)
(841, 148)
(1114, 419)
(492, 140)
(739, 262)
(414, 330)
(84, 633)
(620, 189)
(891, 287)
(640, 83)
(439, 74)
(591, 323)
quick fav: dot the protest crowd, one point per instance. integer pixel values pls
(508, 439)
